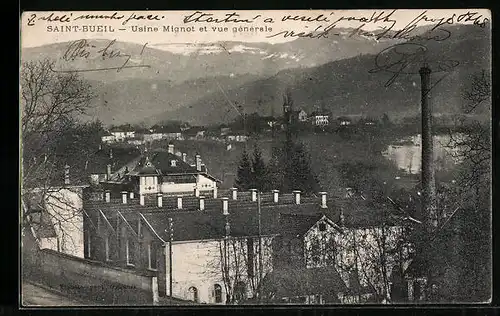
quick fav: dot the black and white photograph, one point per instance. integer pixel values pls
(270, 158)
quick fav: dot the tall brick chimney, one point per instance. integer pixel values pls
(428, 178)
(184, 157)
(171, 149)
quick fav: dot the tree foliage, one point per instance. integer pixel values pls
(297, 171)
(244, 176)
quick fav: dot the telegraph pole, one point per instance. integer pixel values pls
(171, 234)
(428, 177)
(260, 245)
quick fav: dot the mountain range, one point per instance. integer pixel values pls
(207, 84)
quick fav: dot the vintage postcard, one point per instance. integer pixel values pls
(255, 157)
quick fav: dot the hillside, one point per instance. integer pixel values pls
(347, 87)
(185, 81)
(180, 74)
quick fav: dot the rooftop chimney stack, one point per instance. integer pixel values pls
(160, 199)
(235, 193)
(107, 196)
(254, 194)
(184, 157)
(131, 195)
(141, 199)
(171, 149)
(428, 177)
(228, 228)
(225, 206)
(108, 172)
(198, 162)
(179, 202)
(323, 199)
(202, 203)
(297, 196)
(124, 197)
(275, 196)
(66, 174)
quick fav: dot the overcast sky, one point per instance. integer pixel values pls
(37, 35)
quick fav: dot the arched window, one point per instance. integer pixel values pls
(218, 293)
(194, 293)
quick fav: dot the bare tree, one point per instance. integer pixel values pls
(235, 262)
(473, 144)
(50, 105)
(365, 257)
(370, 256)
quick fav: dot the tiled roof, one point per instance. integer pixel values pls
(124, 128)
(319, 114)
(285, 217)
(120, 157)
(166, 129)
(297, 224)
(162, 161)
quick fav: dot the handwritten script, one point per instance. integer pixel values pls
(407, 58)
(83, 50)
(385, 21)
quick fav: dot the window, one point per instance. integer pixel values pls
(194, 293)
(250, 258)
(152, 256)
(218, 293)
(322, 227)
(129, 247)
(149, 181)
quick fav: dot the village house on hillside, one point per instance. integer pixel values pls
(320, 118)
(108, 138)
(122, 132)
(367, 121)
(195, 132)
(344, 121)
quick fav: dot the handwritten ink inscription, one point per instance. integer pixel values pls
(386, 23)
(407, 58)
(68, 18)
(83, 50)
